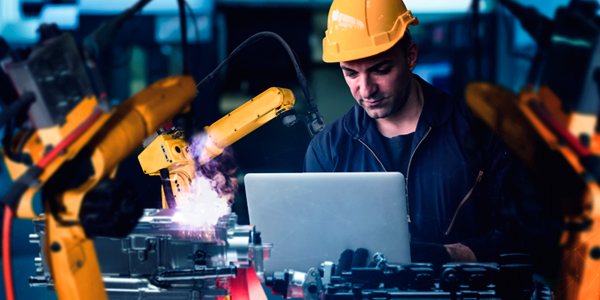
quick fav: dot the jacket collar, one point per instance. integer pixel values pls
(437, 108)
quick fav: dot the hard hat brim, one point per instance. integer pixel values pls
(380, 43)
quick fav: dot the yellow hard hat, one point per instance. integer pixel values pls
(362, 28)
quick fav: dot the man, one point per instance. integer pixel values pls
(454, 171)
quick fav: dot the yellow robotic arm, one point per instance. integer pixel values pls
(169, 152)
(246, 118)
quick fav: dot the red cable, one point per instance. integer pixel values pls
(6, 262)
(559, 130)
(66, 142)
(8, 213)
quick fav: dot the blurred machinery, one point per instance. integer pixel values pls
(68, 147)
(511, 278)
(552, 125)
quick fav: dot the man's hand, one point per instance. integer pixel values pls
(460, 253)
(429, 253)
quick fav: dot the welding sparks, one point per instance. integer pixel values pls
(212, 192)
(205, 206)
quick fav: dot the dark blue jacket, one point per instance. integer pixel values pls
(456, 175)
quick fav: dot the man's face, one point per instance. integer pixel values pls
(380, 83)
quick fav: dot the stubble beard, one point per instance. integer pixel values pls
(390, 108)
(381, 111)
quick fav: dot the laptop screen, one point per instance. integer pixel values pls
(313, 217)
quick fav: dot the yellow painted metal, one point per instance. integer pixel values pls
(154, 158)
(162, 152)
(361, 28)
(582, 124)
(112, 138)
(37, 144)
(170, 151)
(72, 261)
(510, 116)
(577, 123)
(131, 122)
(33, 146)
(181, 184)
(245, 119)
(53, 135)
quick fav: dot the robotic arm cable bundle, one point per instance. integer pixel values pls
(316, 123)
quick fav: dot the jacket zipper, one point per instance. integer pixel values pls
(408, 171)
(463, 201)
(377, 158)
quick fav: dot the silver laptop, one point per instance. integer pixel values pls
(313, 217)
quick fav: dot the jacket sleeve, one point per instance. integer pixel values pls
(511, 204)
(315, 160)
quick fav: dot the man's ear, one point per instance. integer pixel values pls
(411, 55)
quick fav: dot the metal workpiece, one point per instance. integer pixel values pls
(294, 284)
(328, 268)
(259, 252)
(288, 284)
(296, 280)
(163, 258)
(42, 270)
(511, 278)
(191, 274)
(34, 238)
(312, 287)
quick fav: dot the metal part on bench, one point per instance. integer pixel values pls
(162, 258)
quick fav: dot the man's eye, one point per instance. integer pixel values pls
(383, 71)
(351, 74)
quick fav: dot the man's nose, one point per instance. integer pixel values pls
(367, 87)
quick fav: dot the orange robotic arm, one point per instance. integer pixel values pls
(70, 251)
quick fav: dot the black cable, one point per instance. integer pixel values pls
(508, 20)
(209, 95)
(16, 107)
(6, 141)
(540, 29)
(214, 83)
(6, 118)
(187, 5)
(297, 59)
(537, 25)
(23, 141)
(184, 44)
(167, 188)
(24, 157)
(104, 34)
(312, 107)
(17, 156)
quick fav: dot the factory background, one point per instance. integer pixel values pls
(456, 47)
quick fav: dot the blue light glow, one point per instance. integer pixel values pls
(18, 29)
(168, 30)
(112, 7)
(65, 17)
